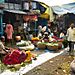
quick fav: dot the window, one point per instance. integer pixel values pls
(26, 6)
(6, 5)
(11, 6)
(17, 6)
(33, 4)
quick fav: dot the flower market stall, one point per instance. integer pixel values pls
(50, 46)
(54, 43)
(25, 45)
(16, 59)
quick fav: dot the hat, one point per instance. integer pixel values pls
(46, 33)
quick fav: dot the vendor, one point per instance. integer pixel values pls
(46, 37)
(3, 49)
(39, 31)
(34, 39)
(62, 35)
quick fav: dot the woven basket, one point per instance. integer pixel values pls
(61, 40)
(18, 38)
(34, 42)
(52, 47)
(59, 45)
(41, 46)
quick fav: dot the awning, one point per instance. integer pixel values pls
(55, 2)
(66, 8)
(16, 11)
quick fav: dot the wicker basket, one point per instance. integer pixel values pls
(41, 46)
(18, 38)
(52, 47)
(59, 45)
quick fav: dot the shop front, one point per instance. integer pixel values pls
(1, 16)
(1, 19)
(1, 27)
(15, 18)
(13, 14)
(32, 22)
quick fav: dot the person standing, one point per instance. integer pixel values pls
(25, 26)
(40, 31)
(47, 28)
(9, 32)
(62, 35)
(26, 31)
(71, 36)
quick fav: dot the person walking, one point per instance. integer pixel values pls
(9, 32)
(71, 37)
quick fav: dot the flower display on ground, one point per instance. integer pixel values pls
(15, 57)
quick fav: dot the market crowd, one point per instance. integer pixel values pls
(45, 38)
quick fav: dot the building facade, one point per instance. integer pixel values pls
(1, 16)
(18, 11)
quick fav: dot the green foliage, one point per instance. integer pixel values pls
(2, 67)
(21, 45)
